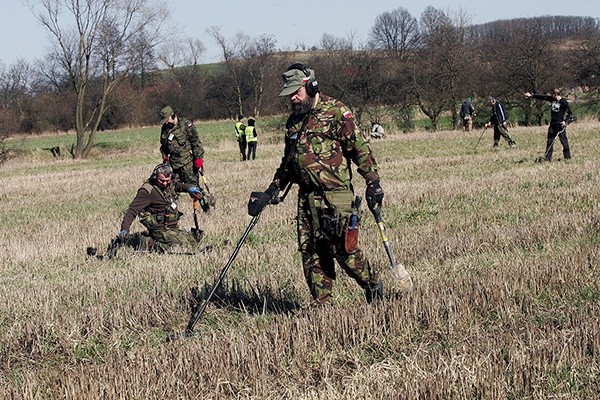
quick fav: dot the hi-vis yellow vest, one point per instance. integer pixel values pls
(250, 134)
(239, 131)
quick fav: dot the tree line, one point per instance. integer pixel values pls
(119, 68)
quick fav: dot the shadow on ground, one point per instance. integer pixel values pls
(257, 299)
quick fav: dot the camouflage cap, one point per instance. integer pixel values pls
(293, 80)
(165, 113)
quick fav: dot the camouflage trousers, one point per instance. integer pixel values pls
(186, 174)
(169, 238)
(321, 249)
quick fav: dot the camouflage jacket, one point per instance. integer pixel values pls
(154, 200)
(181, 143)
(320, 147)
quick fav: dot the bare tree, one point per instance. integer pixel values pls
(332, 43)
(259, 66)
(519, 57)
(146, 61)
(177, 53)
(395, 31)
(195, 49)
(233, 51)
(99, 50)
(171, 54)
(443, 71)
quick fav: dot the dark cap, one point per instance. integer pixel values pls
(293, 80)
(165, 113)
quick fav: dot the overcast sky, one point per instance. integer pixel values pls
(289, 22)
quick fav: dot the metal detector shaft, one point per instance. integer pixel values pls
(198, 313)
(195, 205)
(480, 136)
(400, 277)
(204, 180)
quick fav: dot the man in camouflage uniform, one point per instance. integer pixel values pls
(181, 146)
(320, 142)
(156, 205)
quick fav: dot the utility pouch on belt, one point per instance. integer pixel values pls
(351, 227)
(339, 209)
(148, 220)
(159, 220)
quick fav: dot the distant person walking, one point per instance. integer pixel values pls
(467, 112)
(498, 121)
(240, 136)
(560, 117)
(251, 138)
(180, 146)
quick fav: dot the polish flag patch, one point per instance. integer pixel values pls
(347, 114)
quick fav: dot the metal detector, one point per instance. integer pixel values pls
(189, 330)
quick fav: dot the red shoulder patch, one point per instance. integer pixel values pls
(347, 114)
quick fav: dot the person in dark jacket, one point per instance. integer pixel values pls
(498, 121)
(467, 112)
(560, 117)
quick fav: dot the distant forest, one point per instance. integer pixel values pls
(410, 68)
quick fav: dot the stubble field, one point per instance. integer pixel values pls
(503, 251)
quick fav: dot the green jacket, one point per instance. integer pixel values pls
(181, 143)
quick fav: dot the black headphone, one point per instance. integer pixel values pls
(153, 178)
(312, 86)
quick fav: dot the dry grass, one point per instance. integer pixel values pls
(503, 251)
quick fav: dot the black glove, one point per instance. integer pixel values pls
(273, 193)
(374, 195)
